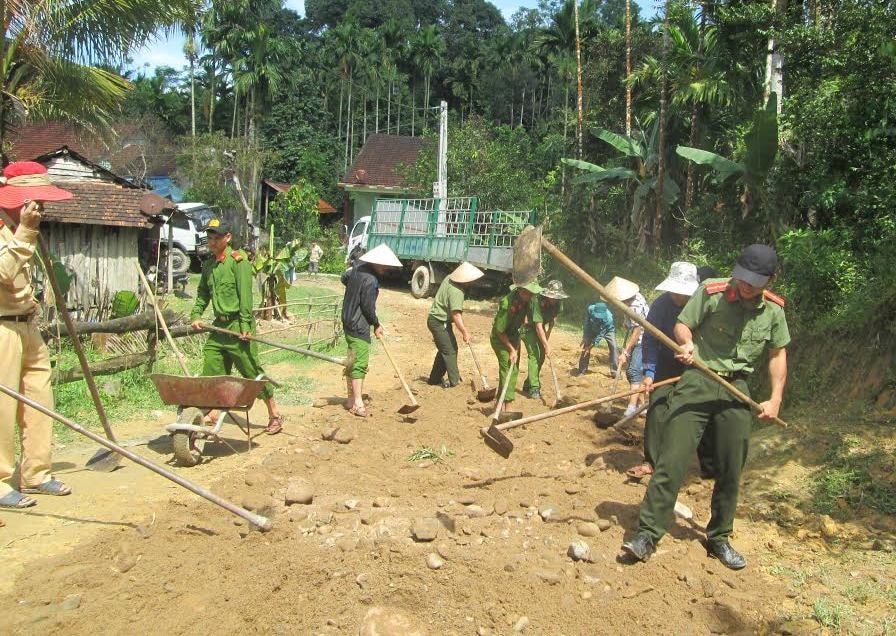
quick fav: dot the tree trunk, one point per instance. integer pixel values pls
(692, 167)
(413, 108)
(628, 68)
(398, 114)
(212, 94)
(341, 92)
(364, 125)
(236, 106)
(193, 95)
(581, 115)
(522, 105)
(659, 215)
(376, 116)
(774, 64)
(348, 125)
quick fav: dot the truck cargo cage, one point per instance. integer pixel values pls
(447, 230)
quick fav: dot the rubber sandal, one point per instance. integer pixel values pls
(53, 487)
(15, 499)
(640, 471)
(359, 412)
(275, 425)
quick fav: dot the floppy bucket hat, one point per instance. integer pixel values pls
(621, 289)
(28, 181)
(554, 289)
(381, 255)
(466, 273)
(682, 279)
(756, 265)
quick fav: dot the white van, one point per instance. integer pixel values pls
(188, 234)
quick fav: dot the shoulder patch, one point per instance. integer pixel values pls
(773, 297)
(237, 255)
(716, 288)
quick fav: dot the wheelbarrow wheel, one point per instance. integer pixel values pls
(188, 446)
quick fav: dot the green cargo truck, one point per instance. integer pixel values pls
(431, 236)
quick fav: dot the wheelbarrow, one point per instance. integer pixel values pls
(195, 397)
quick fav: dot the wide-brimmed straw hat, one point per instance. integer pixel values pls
(622, 289)
(28, 181)
(682, 279)
(554, 289)
(466, 273)
(532, 287)
(381, 255)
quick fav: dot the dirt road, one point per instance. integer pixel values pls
(130, 552)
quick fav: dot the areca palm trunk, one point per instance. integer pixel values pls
(628, 68)
(389, 107)
(348, 125)
(580, 120)
(211, 100)
(659, 215)
(376, 115)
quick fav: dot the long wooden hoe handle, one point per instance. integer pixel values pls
(407, 389)
(482, 379)
(580, 406)
(62, 308)
(279, 345)
(586, 278)
(155, 305)
(256, 520)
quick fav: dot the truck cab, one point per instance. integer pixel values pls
(358, 236)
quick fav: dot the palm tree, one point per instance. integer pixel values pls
(51, 54)
(258, 73)
(428, 48)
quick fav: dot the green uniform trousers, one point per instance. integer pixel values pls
(222, 352)
(505, 368)
(446, 356)
(535, 356)
(692, 405)
(361, 350)
(655, 427)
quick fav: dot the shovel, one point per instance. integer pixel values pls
(496, 439)
(406, 409)
(345, 362)
(486, 393)
(527, 265)
(103, 461)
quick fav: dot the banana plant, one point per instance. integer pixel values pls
(641, 152)
(273, 266)
(760, 151)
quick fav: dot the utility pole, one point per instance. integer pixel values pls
(440, 187)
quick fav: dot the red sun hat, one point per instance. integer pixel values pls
(28, 181)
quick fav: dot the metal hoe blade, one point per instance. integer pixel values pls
(407, 409)
(104, 461)
(497, 441)
(527, 256)
(486, 395)
(510, 416)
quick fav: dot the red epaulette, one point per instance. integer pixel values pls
(237, 256)
(717, 287)
(773, 297)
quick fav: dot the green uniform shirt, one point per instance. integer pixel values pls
(543, 313)
(510, 316)
(449, 298)
(729, 336)
(226, 282)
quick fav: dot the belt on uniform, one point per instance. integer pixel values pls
(734, 375)
(19, 318)
(227, 317)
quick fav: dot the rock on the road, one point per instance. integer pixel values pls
(298, 491)
(579, 551)
(426, 529)
(388, 621)
(434, 561)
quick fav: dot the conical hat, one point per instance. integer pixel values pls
(621, 289)
(466, 273)
(381, 255)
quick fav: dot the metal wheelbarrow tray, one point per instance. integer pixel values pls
(195, 397)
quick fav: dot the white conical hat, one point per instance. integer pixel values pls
(381, 255)
(466, 273)
(621, 289)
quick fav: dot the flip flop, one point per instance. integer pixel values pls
(640, 471)
(359, 412)
(15, 499)
(53, 487)
(275, 425)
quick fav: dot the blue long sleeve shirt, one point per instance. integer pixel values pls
(658, 360)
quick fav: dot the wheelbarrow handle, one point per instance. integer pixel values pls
(257, 520)
(618, 305)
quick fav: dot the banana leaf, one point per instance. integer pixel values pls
(724, 167)
(626, 145)
(762, 141)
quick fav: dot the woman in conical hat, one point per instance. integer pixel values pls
(505, 337)
(446, 313)
(359, 316)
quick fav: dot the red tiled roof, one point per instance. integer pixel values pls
(101, 203)
(379, 162)
(323, 207)
(32, 140)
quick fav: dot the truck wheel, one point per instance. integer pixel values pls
(180, 262)
(421, 282)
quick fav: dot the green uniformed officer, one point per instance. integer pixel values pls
(226, 283)
(505, 336)
(535, 333)
(446, 313)
(727, 324)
